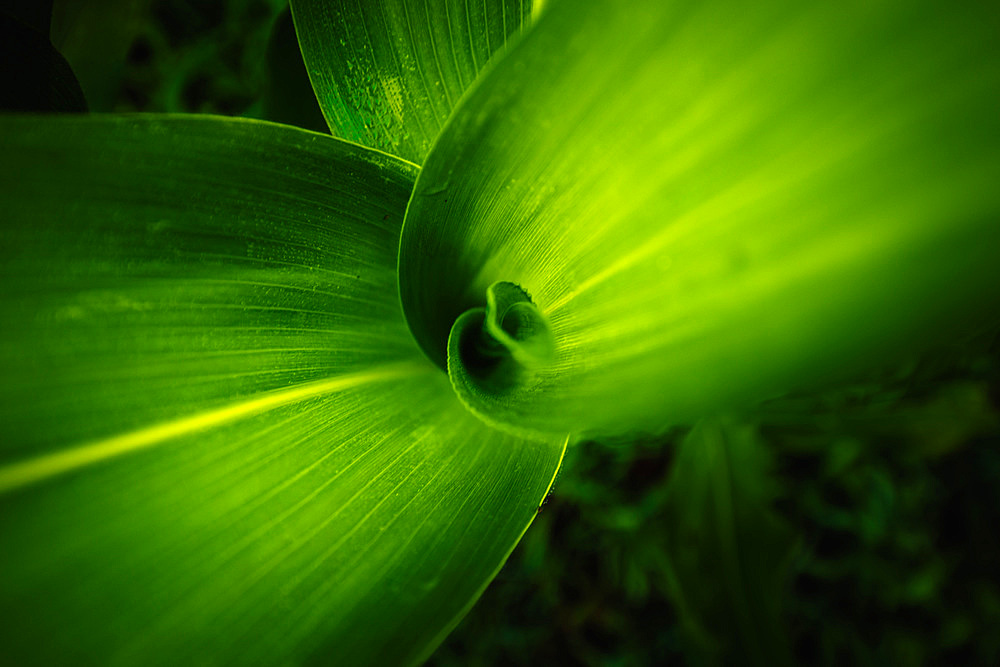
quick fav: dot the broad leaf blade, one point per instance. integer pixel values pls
(714, 203)
(388, 74)
(219, 443)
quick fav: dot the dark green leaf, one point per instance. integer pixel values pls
(728, 552)
(387, 74)
(289, 97)
(95, 36)
(34, 75)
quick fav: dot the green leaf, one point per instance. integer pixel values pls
(713, 203)
(497, 347)
(387, 74)
(728, 552)
(219, 443)
(95, 37)
(35, 76)
(288, 94)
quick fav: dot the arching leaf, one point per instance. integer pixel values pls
(712, 203)
(219, 443)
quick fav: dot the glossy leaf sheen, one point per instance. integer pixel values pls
(220, 444)
(387, 74)
(716, 202)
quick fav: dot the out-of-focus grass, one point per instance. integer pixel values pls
(199, 57)
(892, 487)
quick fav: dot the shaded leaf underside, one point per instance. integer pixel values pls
(220, 443)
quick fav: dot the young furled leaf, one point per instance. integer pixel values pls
(716, 203)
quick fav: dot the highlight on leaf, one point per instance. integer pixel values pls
(714, 211)
(219, 440)
(273, 396)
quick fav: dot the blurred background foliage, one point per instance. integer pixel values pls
(857, 526)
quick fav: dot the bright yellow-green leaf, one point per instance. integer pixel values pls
(714, 202)
(387, 74)
(219, 443)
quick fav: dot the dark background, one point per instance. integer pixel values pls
(888, 492)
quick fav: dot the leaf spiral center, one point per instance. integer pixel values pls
(496, 350)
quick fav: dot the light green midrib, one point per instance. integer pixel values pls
(32, 471)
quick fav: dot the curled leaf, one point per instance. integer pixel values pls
(714, 203)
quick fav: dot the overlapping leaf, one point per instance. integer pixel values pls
(219, 442)
(715, 202)
(388, 74)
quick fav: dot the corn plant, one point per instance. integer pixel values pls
(278, 397)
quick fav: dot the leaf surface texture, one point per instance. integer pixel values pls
(714, 203)
(387, 74)
(220, 443)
